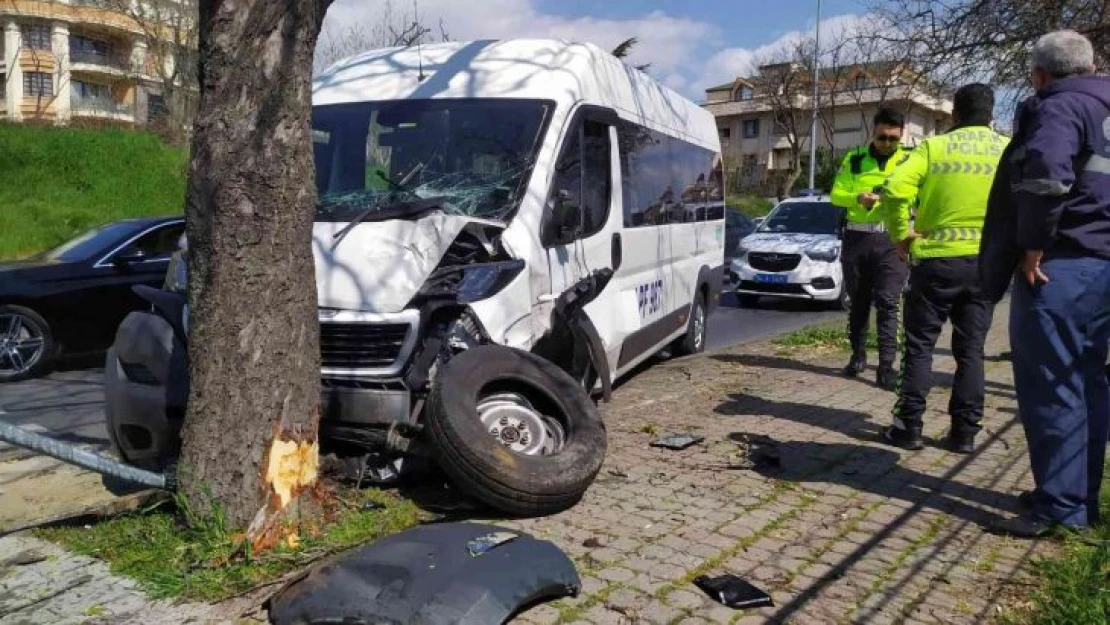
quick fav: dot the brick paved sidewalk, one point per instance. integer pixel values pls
(847, 531)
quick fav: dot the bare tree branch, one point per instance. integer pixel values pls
(394, 28)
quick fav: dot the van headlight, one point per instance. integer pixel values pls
(823, 252)
(471, 283)
(177, 276)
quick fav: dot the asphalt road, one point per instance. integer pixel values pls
(69, 403)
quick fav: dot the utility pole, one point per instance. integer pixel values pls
(815, 103)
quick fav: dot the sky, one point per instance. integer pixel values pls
(691, 44)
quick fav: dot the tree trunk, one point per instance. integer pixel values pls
(786, 183)
(250, 436)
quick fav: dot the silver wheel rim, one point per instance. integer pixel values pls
(699, 328)
(515, 423)
(21, 344)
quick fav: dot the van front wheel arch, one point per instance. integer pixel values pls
(515, 431)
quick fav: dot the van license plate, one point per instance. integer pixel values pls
(770, 278)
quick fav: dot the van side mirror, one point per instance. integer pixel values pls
(564, 220)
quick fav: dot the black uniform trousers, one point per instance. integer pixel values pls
(873, 274)
(943, 289)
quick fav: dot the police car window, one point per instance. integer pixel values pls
(803, 218)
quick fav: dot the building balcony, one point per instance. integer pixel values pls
(96, 63)
(102, 108)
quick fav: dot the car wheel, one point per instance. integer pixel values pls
(26, 344)
(843, 301)
(747, 301)
(697, 331)
(515, 431)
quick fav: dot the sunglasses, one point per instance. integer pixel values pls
(888, 138)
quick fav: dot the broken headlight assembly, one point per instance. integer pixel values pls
(471, 283)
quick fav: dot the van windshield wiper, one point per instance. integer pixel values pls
(383, 212)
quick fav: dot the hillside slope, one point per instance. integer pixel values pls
(57, 182)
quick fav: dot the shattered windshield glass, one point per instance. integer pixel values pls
(474, 154)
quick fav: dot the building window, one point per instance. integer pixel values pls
(90, 91)
(726, 133)
(745, 93)
(861, 82)
(36, 36)
(86, 50)
(38, 84)
(156, 107)
(751, 128)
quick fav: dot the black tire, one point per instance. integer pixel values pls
(843, 301)
(514, 483)
(36, 326)
(697, 330)
(747, 300)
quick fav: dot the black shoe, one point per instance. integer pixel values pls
(886, 378)
(1030, 528)
(905, 439)
(856, 365)
(959, 443)
(1026, 499)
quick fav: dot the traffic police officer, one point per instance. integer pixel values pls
(873, 272)
(949, 176)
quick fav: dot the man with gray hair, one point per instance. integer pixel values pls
(1048, 217)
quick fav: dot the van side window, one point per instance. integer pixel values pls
(666, 180)
(585, 174)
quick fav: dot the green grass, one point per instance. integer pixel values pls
(57, 182)
(822, 336)
(204, 562)
(1075, 587)
(750, 205)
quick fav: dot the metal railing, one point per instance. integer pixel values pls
(115, 61)
(99, 106)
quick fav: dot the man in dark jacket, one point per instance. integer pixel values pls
(1049, 217)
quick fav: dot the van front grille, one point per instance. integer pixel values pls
(361, 345)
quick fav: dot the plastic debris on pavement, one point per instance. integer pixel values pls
(678, 442)
(733, 592)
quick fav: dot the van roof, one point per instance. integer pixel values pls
(547, 69)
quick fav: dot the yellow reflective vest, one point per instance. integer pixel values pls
(860, 173)
(949, 177)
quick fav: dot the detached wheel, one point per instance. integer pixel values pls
(515, 431)
(26, 344)
(697, 331)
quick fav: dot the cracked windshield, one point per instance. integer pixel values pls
(474, 155)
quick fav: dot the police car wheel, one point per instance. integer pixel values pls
(515, 431)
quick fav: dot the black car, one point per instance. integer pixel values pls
(71, 299)
(737, 226)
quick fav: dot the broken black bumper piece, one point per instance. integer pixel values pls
(733, 592)
(435, 574)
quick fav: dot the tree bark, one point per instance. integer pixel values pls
(250, 435)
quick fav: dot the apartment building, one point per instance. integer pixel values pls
(755, 145)
(75, 59)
